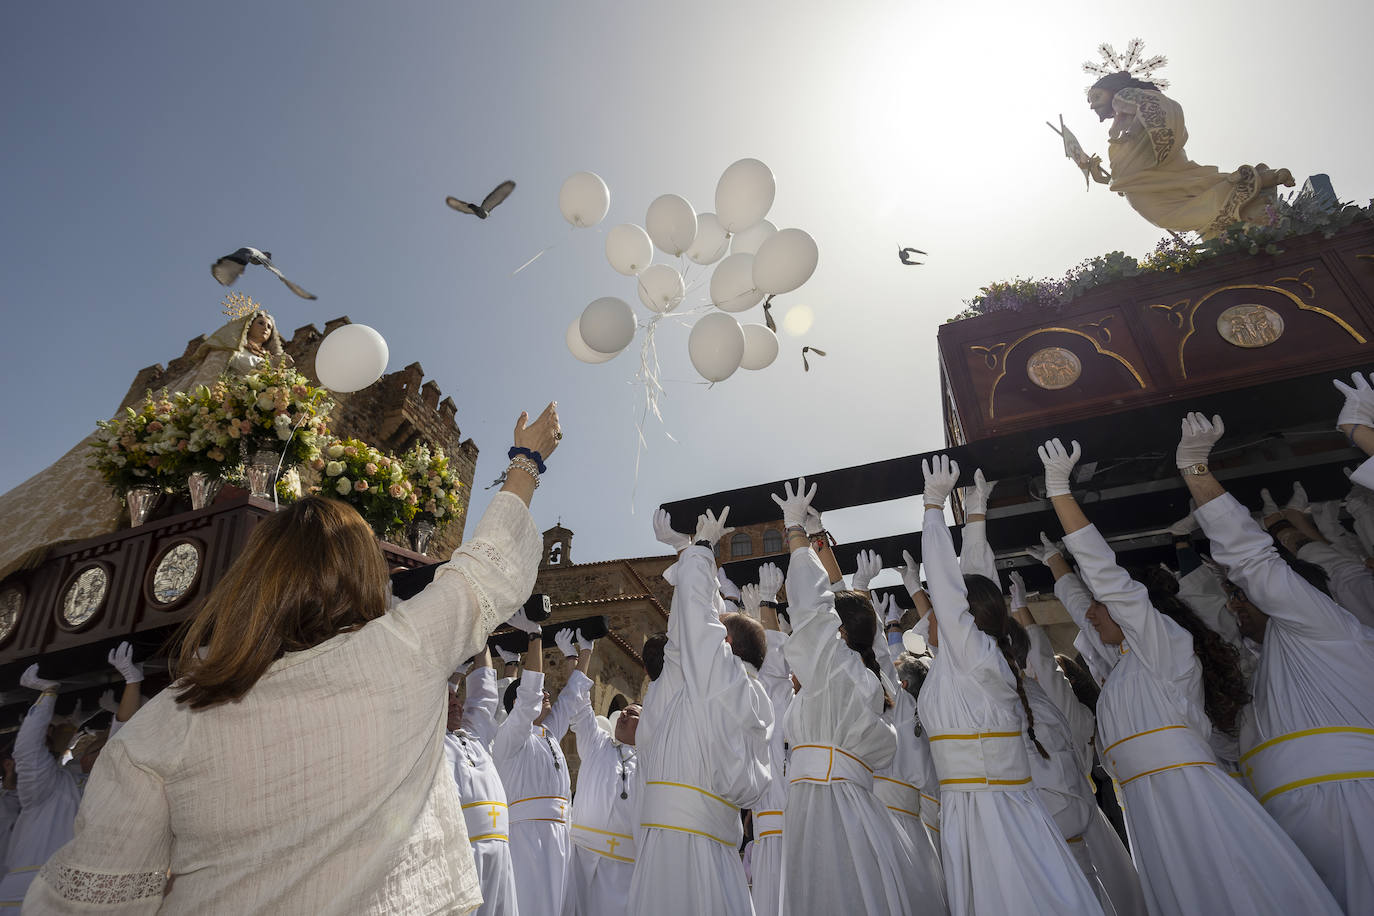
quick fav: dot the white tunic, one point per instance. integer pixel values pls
(483, 796)
(1316, 671)
(703, 741)
(324, 789)
(535, 775)
(1201, 842)
(842, 852)
(1002, 852)
(602, 860)
(49, 795)
(1350, 581)
(1076, 598)
(766, 853)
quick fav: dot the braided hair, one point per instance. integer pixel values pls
(990, 615)
(859, 623)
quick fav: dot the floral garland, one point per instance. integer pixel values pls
(139, 447)
(434, 483)
(372, 482)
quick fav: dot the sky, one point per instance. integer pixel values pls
(144, 140)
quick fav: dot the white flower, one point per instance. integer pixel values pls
(334, 451)
(265, 401)
(344, 486)
(438, 511)
(439, 494)
(283, 432)
(334, 469)
(282, 419)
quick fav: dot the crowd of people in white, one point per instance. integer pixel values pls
(804, 762)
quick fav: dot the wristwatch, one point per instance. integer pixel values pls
(1197, 470)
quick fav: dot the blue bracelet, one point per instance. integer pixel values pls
(534, 456)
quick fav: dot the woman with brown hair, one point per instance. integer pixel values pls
(298, 767)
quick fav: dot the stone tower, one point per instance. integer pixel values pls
(557, 547)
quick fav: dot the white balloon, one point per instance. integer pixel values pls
(716, 346)
(578, 347)
(607, 325)
(628, 249)
(711, 242)
(661, 288)
(744, 194)
(672, 223)
(732, 285)
(584, 199)
(748, 241)
(350, 358)
(785, 261)
(760, 347)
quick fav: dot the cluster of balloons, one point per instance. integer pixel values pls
(351, 357)
(753, 259)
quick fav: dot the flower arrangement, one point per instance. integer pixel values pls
(273, 409)
(434, 483)
(374, 483)
(139, 447)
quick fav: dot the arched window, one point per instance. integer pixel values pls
(555, 553)
(772, 541)
(741, 546)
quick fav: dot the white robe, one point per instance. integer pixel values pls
(1201, 843)
(1316, 670)
(474, 773)
(1002, 852)
(532, 767)
(705, 724)
(49, 795)
(599, 879)
(842, 852)
(765, 886)
(1350, 581)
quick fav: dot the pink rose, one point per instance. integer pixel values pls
(360, 486)
(183, 445)
(350, 451)
(395, 490)
(154, 461)
(246, 426)
(413, 500)
(370, 468)
(215, 454)
(318, 464)
(154, 427)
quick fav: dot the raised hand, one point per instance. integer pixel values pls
(1046, 549)
(869, 565)
(507, 658)
(543, 434)
(727, 588)
(1298, 501)
(941, 474)
(1058, 462)
(1358, 409)
(121, 658)
(770, 582)
(1268, 507)
(108, 702)
(584, 642)
(976, 496)
(1198, 436)
(710, 528)
(795, 504)
(563, 639)
(1186, 525)
(1018, 591)
(31, 680)
(911, 574)
(749, 598)
(663, 531)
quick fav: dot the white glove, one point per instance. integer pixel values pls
(710, 528)
(1327, 516)
(563, 639)
(868, 565)
(1018, 591)
(887, 608)
(107, 702)
(1186, 525)
(941, 475)
(1059, 464)
(1267, 505)
(31, 680)
(727, 588)
(507, 658)
(663, 530)
(523, 623)
(749, 598)
(1359, 402)
(1299, 499)
(584, 642)
(78, 714)
(813, 525)
(795, 504)
(1046, 549)
(122, 659)
(911, 574)
(976, 496)
(1198, 437)
(770, 582)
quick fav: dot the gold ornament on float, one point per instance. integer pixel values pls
(1053, 368)
(1250, 326)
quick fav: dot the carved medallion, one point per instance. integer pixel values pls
(1053, 368)
(84, 596)
(11, 603)
(175, 573)
(1250, 326)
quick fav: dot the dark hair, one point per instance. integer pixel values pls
(1314, 574)
(653, 654)
(1224, 691)
(308, 573)
(1115, 82)
(989, 611)
(860, 623)
(912, 671)
(508, 698)
(748, 639)
(1085, 689)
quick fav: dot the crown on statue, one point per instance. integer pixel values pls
(236, 305)
(1133, 63)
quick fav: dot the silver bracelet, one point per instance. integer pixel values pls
(526, 464)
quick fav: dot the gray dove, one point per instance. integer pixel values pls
(228, 269)
(501, 192)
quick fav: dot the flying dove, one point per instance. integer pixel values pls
(488, 204)
(228, 269)
(904, 255)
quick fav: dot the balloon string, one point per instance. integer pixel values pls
(532, 260)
